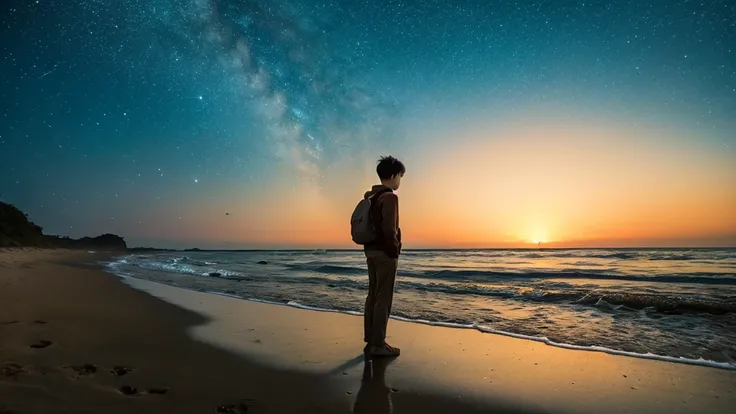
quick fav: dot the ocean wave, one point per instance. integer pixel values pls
(683, 257)
(569, 295)
(604, 254)
(449, 273)
(180, 265)
(327, 268)
(657, 302)
(480, 276)
(595, 274)
(667, 304)
(473, 282)
(580, 254)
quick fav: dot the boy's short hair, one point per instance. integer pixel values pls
(388, 167)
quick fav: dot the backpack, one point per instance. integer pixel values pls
(362, 227)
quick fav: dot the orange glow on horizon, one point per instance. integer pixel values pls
(561, 185)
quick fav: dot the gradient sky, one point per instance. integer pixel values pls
(241, 124)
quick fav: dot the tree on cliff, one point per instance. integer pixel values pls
(16, 230)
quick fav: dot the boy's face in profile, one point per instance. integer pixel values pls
(395, 182)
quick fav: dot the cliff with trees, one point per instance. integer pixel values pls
(17, 230)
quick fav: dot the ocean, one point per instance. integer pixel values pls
(670, 304)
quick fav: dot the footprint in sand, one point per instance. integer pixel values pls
(128, 390)
(239, 408)
(41, 344)
(132, 391)
(86, 369)
(13, 322)
(11, 370)
(119, 370)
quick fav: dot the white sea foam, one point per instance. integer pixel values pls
(221, 294)
(300, 306)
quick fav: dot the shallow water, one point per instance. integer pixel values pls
(677, 303)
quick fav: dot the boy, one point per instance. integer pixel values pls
(382, 255)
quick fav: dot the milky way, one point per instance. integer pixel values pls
(312, 110)
(149, 101)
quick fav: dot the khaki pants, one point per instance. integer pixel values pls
(381, 279)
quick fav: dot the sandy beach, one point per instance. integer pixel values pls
(74, 339)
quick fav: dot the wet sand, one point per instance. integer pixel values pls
(74, 339)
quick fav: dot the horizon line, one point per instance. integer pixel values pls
(195, 249)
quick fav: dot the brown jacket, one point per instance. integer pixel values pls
(385, 211)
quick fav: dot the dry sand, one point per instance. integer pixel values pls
(276, 359)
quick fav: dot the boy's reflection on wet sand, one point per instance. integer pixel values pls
(374, 395)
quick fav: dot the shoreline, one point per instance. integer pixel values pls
(593, 348)
(111, 267)
(220, 350)
(465, 363)
(75, 339)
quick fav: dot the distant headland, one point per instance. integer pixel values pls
(16, 230)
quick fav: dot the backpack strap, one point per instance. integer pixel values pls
(375, 197)
(378, 193)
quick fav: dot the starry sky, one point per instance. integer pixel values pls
(254, 123)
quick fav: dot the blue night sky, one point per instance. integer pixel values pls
(142, 118)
